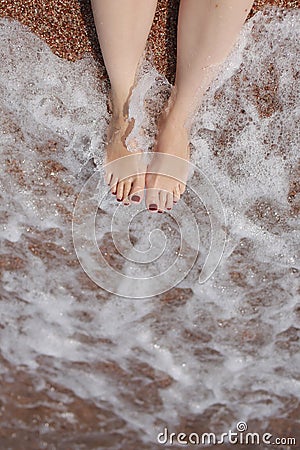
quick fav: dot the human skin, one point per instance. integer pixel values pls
(207, 31)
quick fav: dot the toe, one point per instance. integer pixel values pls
(136, 197)
(114, 185)
(137, 194)
(162, 200)
(176, 195)
(108, 178)
(181, 188)
(126, 201)
(127, 189)
(120, 190)
(137, 191)
(152, 199)
(169, 201)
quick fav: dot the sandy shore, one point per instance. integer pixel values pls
(68, 27)
(28, 407)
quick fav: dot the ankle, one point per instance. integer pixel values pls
(183, 106)
(173, 119)
(119, 104)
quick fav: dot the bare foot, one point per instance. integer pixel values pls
(169, 165)
(125, 170)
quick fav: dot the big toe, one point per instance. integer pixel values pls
(182, 187)
(162, 200)
(137, 190)
(152, 199)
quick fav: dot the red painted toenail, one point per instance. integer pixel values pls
(153, 207)
(135, 198)
(159, 211)
(119, 199)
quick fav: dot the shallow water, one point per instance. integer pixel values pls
(82, 368)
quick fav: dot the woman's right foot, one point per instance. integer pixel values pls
(124, 169)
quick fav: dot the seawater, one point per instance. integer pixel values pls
(226, 350)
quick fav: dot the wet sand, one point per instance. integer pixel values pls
(68, 29)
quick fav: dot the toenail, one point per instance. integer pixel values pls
(135, 198)
(159, 211)
(119, 199)
(169, 209)
(113, 193)
(126, 204)
(153, 207)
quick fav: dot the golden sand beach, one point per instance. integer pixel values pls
(68, 27)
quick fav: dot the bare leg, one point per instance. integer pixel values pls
(123, 28)
(207, 30)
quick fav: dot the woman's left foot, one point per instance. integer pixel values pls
(168, 170)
